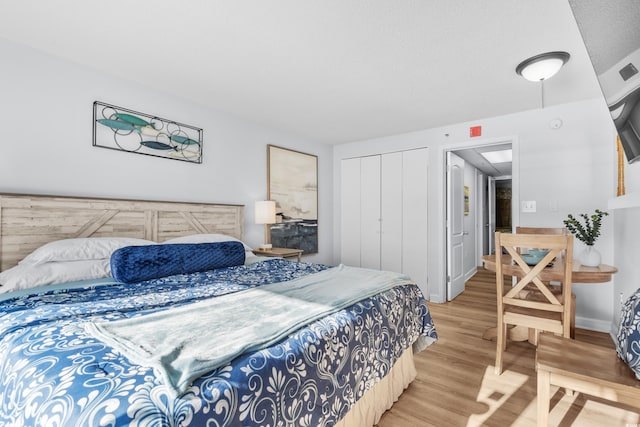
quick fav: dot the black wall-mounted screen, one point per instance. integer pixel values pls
(626, 117)
(629, 132)
(611, 34)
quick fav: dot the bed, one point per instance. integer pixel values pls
(344, 368)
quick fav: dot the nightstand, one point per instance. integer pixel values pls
(280, 252)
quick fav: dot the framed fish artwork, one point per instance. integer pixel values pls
(122, 129)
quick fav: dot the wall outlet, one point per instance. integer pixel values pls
(529, 206)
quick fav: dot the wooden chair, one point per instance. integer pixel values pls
(535, 307)
(557, 231)
(585, 368)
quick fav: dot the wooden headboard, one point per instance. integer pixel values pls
(29, 221)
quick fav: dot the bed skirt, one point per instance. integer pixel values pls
(370, 407)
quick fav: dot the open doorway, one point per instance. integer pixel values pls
(503, 202)
(499, 212)
(488, 194)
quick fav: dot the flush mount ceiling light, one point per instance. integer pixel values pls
(543, 66)
(494, 157)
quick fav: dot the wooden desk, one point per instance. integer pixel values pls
(579, 274)
(280, 252)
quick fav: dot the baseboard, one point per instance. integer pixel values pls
(440, 299)
(436, 298)
(593, 324)
(469, 274)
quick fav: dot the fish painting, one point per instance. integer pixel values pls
(183, 140)
(158, 145)
(131, 119)
(148, 130)
(121, 129)
(116, 124)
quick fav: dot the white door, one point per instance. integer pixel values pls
(391, 213)
(414, 216)
(491, 203)
(370, 212)
(455, 231)
(350, 215)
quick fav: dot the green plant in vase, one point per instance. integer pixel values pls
(587, 233)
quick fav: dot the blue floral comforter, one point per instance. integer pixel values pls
(52, 373)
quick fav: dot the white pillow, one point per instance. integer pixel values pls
(207, 238)
(80, 249)
(29, 276)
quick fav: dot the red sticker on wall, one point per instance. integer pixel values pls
(475, 131)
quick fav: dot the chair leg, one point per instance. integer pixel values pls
(572, 320)
(544, 394)
(571, 333)
(501, 345)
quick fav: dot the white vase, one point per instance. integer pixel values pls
(590, 257)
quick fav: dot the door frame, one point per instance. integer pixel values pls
(481, 194)
(491, 213)
(515, 182)
(492, 182)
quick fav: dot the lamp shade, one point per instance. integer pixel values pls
(265, 212)
(543, 66)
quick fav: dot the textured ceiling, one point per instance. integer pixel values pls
(333, 71)
(610, 29)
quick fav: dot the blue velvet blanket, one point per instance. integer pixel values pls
(52, 372)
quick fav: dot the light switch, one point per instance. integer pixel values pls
(529, 206)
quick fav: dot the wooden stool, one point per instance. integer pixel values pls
(582, 367)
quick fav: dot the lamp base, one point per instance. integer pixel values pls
(266, 246)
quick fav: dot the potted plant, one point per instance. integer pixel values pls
(587, 233)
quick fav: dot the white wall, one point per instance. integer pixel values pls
(627, 243)
(46, 118)
(566, 170)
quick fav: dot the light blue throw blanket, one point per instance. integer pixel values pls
(186, 342)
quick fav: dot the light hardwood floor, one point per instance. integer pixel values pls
(457, 386)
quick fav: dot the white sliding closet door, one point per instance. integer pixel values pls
(391, 212)
(370, 212)
(350, 217)
(414, 215)
(384, 213)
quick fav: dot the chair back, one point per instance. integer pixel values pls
(556, 231)
(537, 295)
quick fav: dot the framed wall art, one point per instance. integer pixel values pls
(118, 128)
(467, 192)
(292, 181)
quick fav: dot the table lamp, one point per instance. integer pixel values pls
(265, 213)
